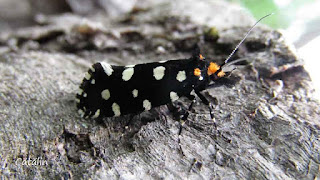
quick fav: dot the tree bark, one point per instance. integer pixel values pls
(266, 122)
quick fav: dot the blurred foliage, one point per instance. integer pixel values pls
(285, 10)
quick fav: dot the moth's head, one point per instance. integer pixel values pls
(214, 71)
(210, 69)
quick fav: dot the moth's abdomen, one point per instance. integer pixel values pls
(93, 93)
(105, 92)
(116, 90)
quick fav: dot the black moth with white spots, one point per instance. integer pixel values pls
(109, 90)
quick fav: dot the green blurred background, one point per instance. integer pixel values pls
(285, 10)
(300, 19)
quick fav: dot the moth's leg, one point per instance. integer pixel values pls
(129, 121)
(206, 102)
(181, 113)
(173, 109)
(192, 98)
(178, 111)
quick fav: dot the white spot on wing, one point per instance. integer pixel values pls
(116, 109)
(93, 81)
(92, 69)
(173, 96)
(147, 105)
(181, 76)
(135, 93)
(87, 76)
(96, 114)
(107, 68)
(163, 61)
(127, 74)
(158, 72)
(105, 94)
(130, 66)
(84, 94)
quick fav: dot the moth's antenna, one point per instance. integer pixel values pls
(236, 48)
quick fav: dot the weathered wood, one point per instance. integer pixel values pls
(267, 121)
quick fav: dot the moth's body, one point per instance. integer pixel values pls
(119, 90)
(108, 91)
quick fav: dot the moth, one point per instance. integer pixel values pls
(110, 90)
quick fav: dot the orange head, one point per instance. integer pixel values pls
(213, 68)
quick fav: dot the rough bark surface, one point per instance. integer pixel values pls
(267, 121)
